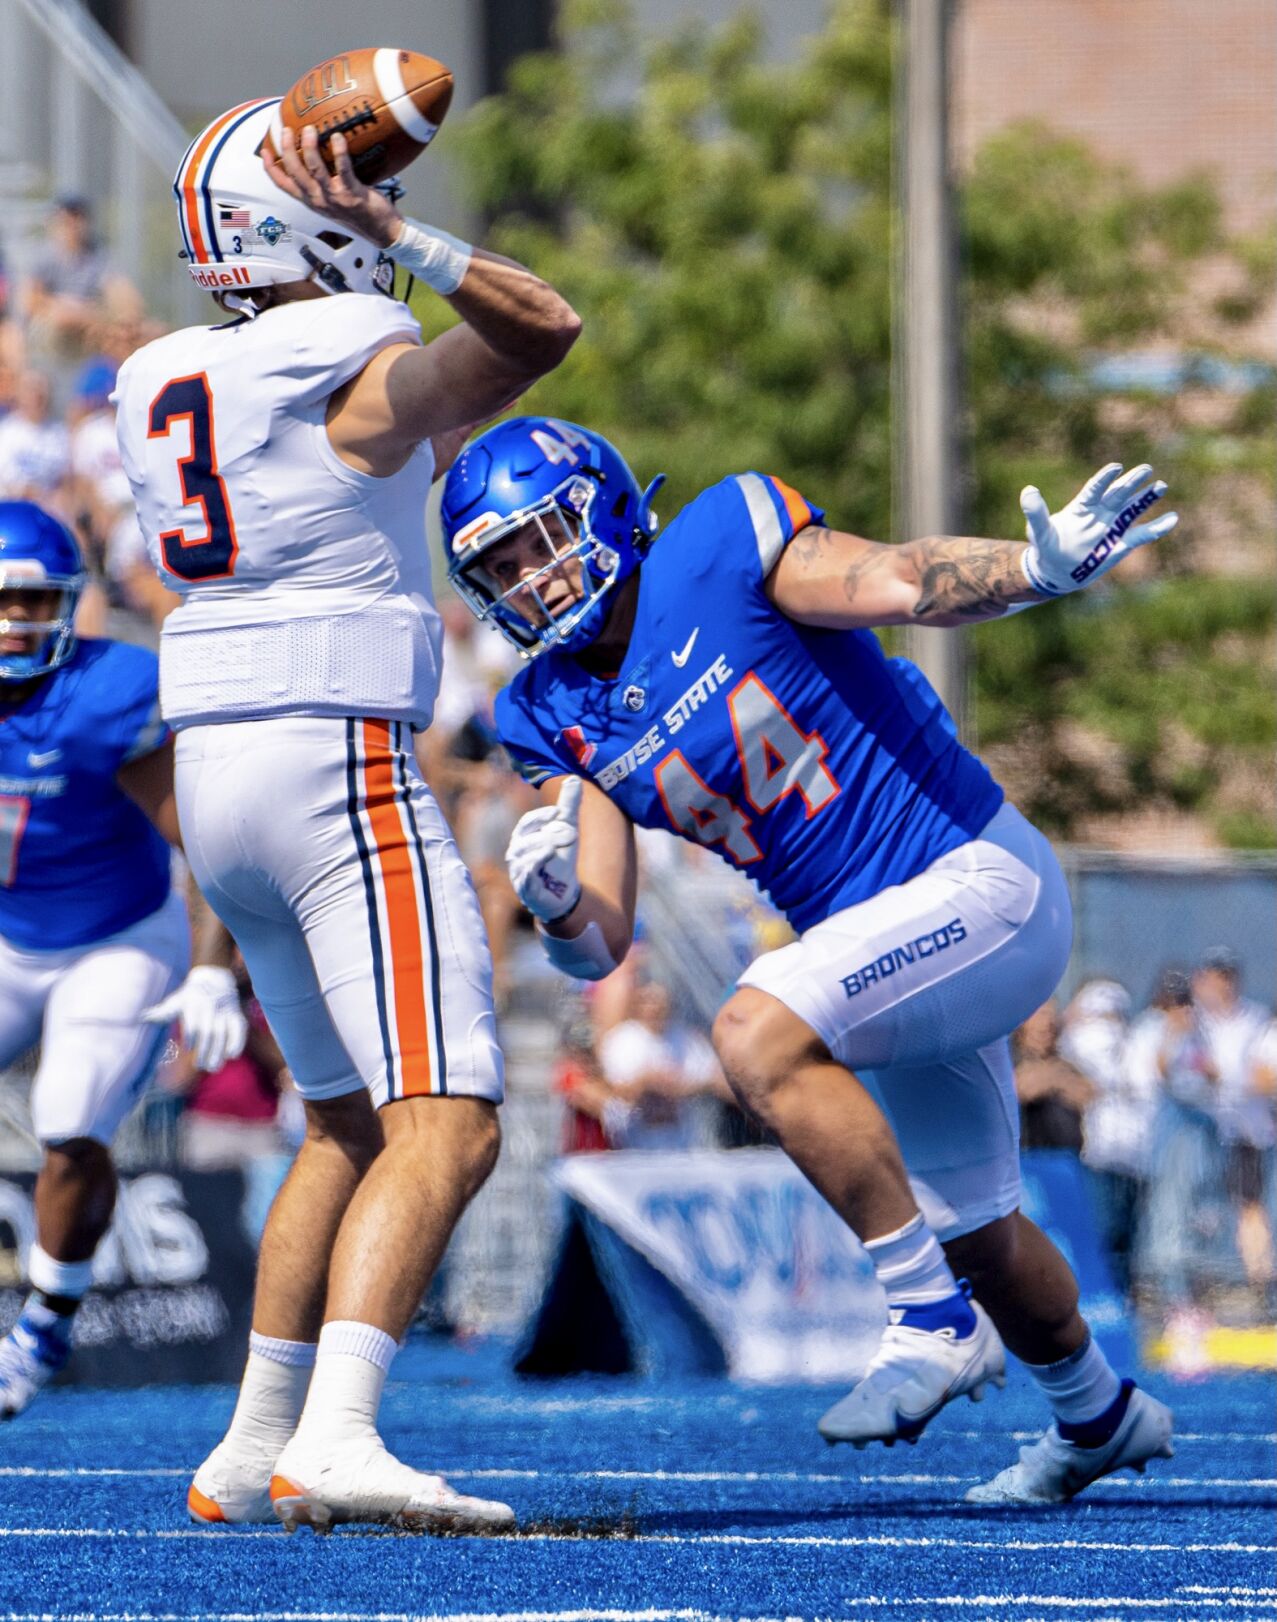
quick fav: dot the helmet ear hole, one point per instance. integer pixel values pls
(619, 505)
(335, 240)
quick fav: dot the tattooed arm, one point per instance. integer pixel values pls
(829, 578)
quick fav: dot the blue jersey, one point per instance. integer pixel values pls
(807, 758)
(78, 860)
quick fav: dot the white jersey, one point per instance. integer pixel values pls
(305, 584)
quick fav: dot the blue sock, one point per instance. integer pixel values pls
(953, 1312)
(1095, 1432)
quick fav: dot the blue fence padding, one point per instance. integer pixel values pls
(607, 1309)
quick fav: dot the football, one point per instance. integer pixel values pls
(387, 103)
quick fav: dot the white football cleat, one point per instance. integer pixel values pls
(231, 1488)
(922, 1363)
(30, 1355)
(359, 1480)
(1053, 1470)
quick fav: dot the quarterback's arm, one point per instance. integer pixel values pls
(828, 578)
(515, 329)
(515, 326)
(573, 864)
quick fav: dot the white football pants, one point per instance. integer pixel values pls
(917, 990)
(84, 1004)
(318, 844)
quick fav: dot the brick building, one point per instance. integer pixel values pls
(1167, 87)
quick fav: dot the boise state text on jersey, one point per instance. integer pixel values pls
(814, 763)
(78, 860)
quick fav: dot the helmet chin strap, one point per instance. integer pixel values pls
(324, 272)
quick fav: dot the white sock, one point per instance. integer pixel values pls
(910, 1265)
(271, 1394)
(345, 1390)
(66, 1280)
(1079, 1387)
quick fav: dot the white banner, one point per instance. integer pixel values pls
(753, 1247)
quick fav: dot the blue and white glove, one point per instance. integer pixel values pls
(207, 1007)
(541, 856)
(1069, 549)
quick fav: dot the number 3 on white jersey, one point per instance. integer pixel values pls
(776, 758)
(210, 556)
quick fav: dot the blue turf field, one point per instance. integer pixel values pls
(729, 1503)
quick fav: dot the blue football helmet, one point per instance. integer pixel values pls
(39, 553)
(521, 472)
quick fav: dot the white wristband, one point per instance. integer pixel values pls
(440, 260)
(584, 956)
(1035, 577)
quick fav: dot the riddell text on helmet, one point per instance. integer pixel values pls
(210, 277)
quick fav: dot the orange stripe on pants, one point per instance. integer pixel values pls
(403, 921)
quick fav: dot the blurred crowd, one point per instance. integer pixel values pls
(66, 325)
(1174, 1111)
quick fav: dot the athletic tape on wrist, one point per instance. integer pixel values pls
(440, 260)
(584, 956)
(52, 1277)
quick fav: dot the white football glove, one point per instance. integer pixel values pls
(207, 1007)
(541, 856)
(1069, 549)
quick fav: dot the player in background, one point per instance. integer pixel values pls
(281, 462)
(721, 681)
(92, 939)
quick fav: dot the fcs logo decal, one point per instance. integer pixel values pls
(272, 231)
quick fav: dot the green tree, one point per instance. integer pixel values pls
(726, 226)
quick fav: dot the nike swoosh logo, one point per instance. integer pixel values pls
(680, 659)
(46, 759)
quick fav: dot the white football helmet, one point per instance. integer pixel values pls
(240, 231)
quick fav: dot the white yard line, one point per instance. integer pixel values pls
(997, 1604)
(744, 1477)
(729, 1539)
